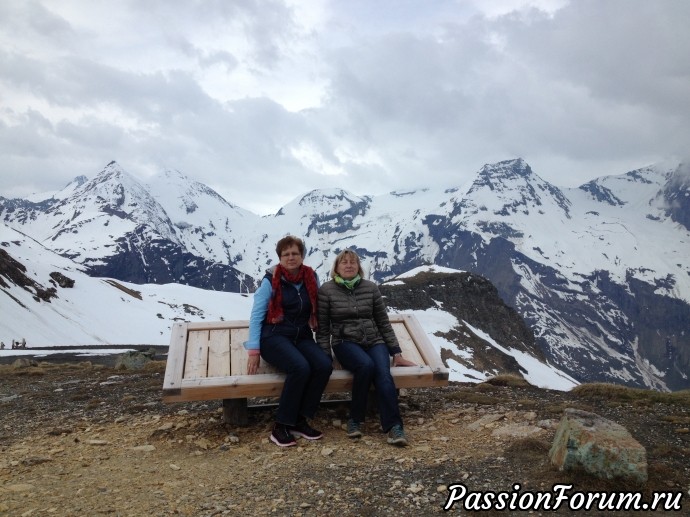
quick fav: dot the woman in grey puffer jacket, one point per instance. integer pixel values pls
(353, 319)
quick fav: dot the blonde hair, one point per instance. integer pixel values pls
(339, 259)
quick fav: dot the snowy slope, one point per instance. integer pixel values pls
(97, 311)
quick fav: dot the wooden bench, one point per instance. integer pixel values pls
(207, 361)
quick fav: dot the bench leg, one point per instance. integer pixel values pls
(235, 412)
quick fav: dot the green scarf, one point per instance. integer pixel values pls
(350, 284)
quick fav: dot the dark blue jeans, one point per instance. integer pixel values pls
(367, 366)
(308, 369)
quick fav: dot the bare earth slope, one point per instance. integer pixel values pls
(84, 439)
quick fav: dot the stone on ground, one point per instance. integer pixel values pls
(598, 446)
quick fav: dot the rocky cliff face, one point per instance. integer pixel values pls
(476, 304)
(15, 273)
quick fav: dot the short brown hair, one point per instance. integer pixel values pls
(288, 242)
(341, 256)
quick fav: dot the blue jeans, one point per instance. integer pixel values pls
(308, 369)
(367, 366)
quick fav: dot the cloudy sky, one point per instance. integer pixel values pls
(264, 100)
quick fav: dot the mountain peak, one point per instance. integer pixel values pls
(190, 202)
(511, 186)
(507, 169)
(330, 195)
(113, 179)
(321, 201)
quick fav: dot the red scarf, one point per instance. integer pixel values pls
(275, 305)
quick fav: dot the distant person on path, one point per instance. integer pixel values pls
(280, 330)
(2, 345)
(353, 319)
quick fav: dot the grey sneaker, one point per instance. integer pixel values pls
(354, 429)
(396, 436)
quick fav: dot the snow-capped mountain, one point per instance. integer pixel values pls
(49, 301)
(599, 272)
(205, 224)
(115, 226)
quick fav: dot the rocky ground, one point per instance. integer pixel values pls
(86, 439)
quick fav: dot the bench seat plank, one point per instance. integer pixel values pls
(271, 384)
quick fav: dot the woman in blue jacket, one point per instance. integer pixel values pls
(281, 327)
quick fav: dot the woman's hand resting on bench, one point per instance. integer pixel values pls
(399, 360)
(253, 364)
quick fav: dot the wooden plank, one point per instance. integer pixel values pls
(407, 344)
(417, 376)
(426, 349)
(196, 362)
(245, 386)
(213, 325)
(240, 356)
(174, 366)
(271, 385)
(219, 353)
(233, 386)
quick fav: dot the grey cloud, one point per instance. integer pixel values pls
(203, 57)
(26, 139)
(31, 19)
(557, 86)
(621, 51)
(577, 94)
(81, 83)
(266, 24)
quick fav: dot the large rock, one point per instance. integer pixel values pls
(134, 359)
(23, 362)
(598, 446)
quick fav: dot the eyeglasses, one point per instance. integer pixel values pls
(290, 254)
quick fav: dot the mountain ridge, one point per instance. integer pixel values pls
(51, 303)
(598, 272)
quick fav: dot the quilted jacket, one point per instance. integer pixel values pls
(357, 315)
